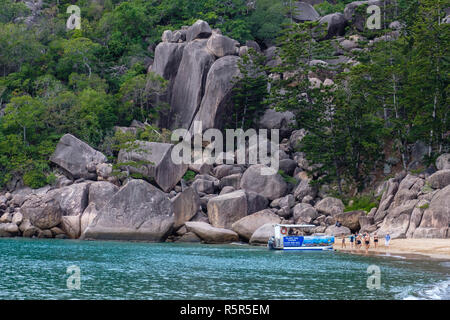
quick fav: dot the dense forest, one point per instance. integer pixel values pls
(55, 81)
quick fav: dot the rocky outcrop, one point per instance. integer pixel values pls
(210, 234)
(153, 160)
(167, 59)
(138, 211)
(246, 226)
(337, 231)
(304, 213)
(350, 219)
(77, 158)
(443, 162)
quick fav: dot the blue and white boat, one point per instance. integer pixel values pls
(283, 240)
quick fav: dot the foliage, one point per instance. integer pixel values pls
(189, 175)
(364, 202)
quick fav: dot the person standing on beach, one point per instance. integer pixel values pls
(375, 240)
(343, 243)
(387, 239)
(352, 240)
(367, 242)
(358, 241)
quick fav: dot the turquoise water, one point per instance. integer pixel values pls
(37, 269)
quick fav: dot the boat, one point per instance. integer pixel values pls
(284, 240)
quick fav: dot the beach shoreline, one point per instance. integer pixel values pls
(436, 249)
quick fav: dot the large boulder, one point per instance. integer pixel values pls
(334, 25)
(100, 193)
(304, 189)
(304, 12)
(350, 219)
(216, 101)
(270, 186)
(8, 230)
(396, 223)
(185, 206)
(189, 84)
(153, 160)
(43, 214)
(199, 30)
(138, 211)
(72, 199)
(436, 219)
(439, 179)
(330, 206)
(272, 119)
(304, 213)
(210, 234)
(246, 226)
(75, 156)
(262, 235)
(337, 231)
(222, 46)
(256, 202)
(443, 162)
(390, 188)
(226, 209)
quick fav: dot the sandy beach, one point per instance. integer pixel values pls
(414, 248)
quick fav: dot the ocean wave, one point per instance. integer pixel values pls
(437, 291)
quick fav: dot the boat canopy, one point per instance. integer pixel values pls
(295, 225)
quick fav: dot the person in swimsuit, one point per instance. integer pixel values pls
(375, 240)
(358, 241)
(367, 242)
(352, 240)
(343, 243)
(387, 239)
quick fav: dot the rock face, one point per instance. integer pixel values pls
(436, 219)
(272, 119)
(219, 85)
(210, 234)
(138, 211)
(270, 186)
(226, 209)
(246, 226)
(185, 206)
(157, 163)
(74, 156)
(189, 83)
